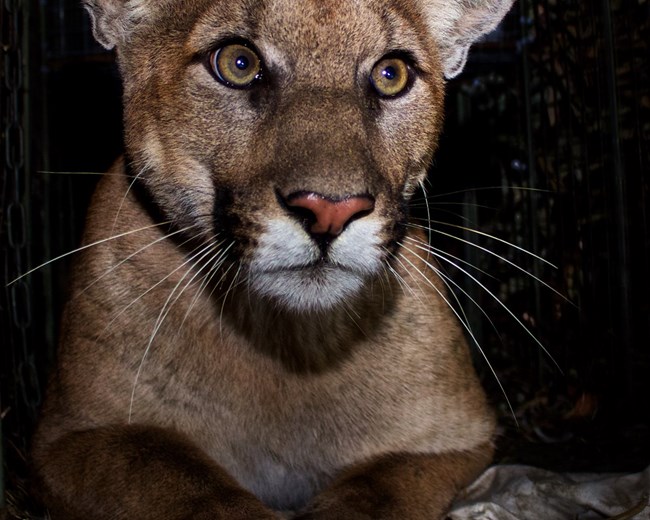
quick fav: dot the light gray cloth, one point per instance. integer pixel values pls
(526, 493)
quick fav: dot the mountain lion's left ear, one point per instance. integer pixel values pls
(456, 24)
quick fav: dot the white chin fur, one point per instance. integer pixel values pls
(283, 268)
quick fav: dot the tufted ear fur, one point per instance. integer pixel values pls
(456, 24)
(113, 20)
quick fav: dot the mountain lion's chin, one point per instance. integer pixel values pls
(310, 289)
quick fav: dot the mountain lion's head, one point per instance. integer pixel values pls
(292, 133)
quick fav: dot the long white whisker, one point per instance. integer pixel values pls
(469, 331)
(87, 246)
(489, 188)
(503, 305)
(347, 309)
(225, 297)
(426, 203)
(161, 317)
(221, 278)
(98, 174)
(504, 259)
(215, 270)
(456, 258)
(217, 261)
(447, 280)
(413, 293)
(382, 285)
(123, 261)
(455, 214)
(442, 276)
(464, 318)
(128, 190)
(400, 279)
(136, 300)
(435, 204)
(481, 233)
(211, 264)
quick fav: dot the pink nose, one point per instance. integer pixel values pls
(330, 216)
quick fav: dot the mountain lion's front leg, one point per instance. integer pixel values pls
(139, 472)
(399, 487)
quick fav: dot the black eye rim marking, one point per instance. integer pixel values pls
(211, 62)
(410, 69)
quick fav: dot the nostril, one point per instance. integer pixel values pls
(305, 215)
(327, 216)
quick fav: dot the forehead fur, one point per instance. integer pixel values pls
(315, 32)
(452, 24)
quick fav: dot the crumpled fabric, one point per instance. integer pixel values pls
(511, 492)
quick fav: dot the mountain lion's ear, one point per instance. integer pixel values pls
(456, 24)
(113, 19)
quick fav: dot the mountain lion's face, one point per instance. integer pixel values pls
(217, 369)
(290, 133)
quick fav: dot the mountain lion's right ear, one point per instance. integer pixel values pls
(456, 24)
(113, 20)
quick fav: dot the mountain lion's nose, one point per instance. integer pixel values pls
(327, 216)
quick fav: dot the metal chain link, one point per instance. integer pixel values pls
(15, 210)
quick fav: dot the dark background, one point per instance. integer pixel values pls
(546, 146)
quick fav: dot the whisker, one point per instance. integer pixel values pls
(438, 272)
(382, 285)
(447, 280)
(215, 270)
(193, 253)
(490, 188)
(225, 297)
(481, 233)
(467, 328)
(128, 190)
(216, 261)
(435, 204)
(96, 174)
(121, 262)
(164, 311)
(456, 258)
(426, 203)
(454, 214)
(442, 277)
(503, 259)
(400, 279)
(346, 309)
(87, 246)
(413, 293)
(490, 293)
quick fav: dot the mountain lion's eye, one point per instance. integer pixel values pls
(390, 77)
(236, 65)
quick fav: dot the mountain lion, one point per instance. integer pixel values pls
(255, 329)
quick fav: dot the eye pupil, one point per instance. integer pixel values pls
(389, 73)
(242, 63)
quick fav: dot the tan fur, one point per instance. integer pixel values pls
(203, 371)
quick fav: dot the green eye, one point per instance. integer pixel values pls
(390, 77)
(236, 65)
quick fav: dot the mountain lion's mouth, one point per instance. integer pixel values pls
(308, 287)
(317, 267)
